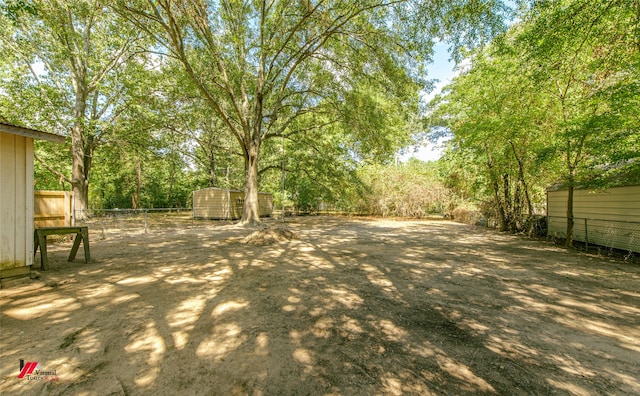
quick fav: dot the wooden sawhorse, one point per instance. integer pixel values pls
(40, 239)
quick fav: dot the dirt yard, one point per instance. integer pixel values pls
(344, 307)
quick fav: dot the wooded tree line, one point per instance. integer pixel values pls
(161, 97)
(554, 100)
(214, 91)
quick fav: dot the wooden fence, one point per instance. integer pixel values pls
(52, 208)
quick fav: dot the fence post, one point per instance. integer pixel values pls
(145, 221)
(586, 235)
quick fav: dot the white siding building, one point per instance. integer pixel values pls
(16, 197)
(609, 218)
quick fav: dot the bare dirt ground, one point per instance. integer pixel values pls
(346, 307)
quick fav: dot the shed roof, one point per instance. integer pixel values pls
(30, 133)
(226, 189)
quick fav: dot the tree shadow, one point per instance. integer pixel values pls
(349, 307)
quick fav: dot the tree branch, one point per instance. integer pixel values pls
(62, 177)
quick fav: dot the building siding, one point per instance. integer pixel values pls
(217, 203)
(608, 218)
(16, 201)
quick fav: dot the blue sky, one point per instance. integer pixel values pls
(441, 69)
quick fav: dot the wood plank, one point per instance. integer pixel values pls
(59, 230)
(82, 235)
(14, 272)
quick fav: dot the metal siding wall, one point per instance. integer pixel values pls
(217, 203)
(236, 204)
(618, 203)
(211, 203)
(556, 213)
(214, 203)
(612, 216)
(265, 204)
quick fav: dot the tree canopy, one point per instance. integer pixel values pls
(70, 67)
(543, 104)
(160, 97)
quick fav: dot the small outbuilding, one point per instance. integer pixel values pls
(16, 197)
(218, 204)
(608, 218)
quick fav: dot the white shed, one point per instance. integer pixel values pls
(608, 218)
(16, 197)
(219, 203)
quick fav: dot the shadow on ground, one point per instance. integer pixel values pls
(347, 307)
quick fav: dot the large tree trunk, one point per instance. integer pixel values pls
(250, 213)
(506, 201)
(571, 182)
(502, 217)
(172, 182)
(79, 180)
(523, 182)
(80, 154)
(569, 240)
(135, 200)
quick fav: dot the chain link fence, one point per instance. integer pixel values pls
(613, 234)
(111, 222)
(617, 234)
